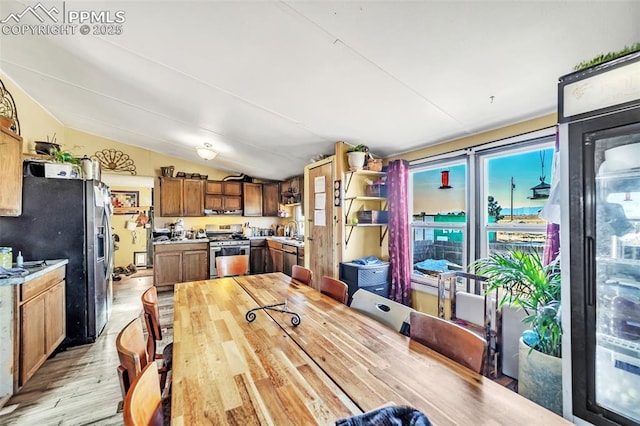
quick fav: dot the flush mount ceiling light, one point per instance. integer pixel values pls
(206, 152)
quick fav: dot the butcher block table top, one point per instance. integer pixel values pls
(336, 363)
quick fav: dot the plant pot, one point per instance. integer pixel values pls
(540, 378)
(356, 160)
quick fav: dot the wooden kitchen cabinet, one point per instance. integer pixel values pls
(223, 195)
(42, 323)
(193, 197)
(10, 173)
(258, 256)
(180, 262)
(301, 256)
(252, 199)
(181, 197)
(275, 261)
(270, 198)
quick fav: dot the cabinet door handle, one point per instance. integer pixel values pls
(310, 238)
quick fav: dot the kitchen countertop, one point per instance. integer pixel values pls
(287, 240)
(34, 271)
(185, 241)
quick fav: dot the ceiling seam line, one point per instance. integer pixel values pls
(337, 39)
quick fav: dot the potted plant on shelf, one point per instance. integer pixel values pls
(523, 281)
(357, 155)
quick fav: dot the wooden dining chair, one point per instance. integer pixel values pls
(336, 289)
(449, 339)
(132, 353)
(143, 403)
(232, 265)
(302, 274)
(154, 331)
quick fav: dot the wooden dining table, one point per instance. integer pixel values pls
(336, 363)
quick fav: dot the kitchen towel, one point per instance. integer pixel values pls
(12, 272)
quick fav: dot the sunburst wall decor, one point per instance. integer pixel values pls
(115, 160)
(8, 108)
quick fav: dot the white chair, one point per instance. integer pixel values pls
(386, 311)
(511, 329)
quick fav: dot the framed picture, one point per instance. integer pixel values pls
(125, 202)
(140, 258)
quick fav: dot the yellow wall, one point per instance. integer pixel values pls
(35, 122)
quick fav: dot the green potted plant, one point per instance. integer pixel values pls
(524, 282)
(356, 156)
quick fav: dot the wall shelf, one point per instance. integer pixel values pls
(383, 230)
(349, 176)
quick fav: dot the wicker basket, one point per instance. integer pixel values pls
(374, 164)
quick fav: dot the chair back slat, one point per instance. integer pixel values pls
(302, 274)
(449, 339)
(132, 353)
(335, 289)
(232, 265)
(143, 403)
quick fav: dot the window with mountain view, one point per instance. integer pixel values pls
(460, 216)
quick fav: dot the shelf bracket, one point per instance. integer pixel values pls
(346, 241)
(295, 319)
(348, 182)
(383, 234)
(346, 215)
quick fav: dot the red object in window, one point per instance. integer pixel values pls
(445, 179)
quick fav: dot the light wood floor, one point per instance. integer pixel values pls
(80, 386)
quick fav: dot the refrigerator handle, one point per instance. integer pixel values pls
(108, 244)
(589, 273)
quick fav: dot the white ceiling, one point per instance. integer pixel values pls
(271, 84)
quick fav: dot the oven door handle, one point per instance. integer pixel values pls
(215, 249)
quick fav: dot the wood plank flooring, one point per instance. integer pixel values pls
(80, 386)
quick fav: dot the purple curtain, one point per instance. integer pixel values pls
(397, 187)
(552, 241)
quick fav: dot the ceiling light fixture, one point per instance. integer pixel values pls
(206, 152)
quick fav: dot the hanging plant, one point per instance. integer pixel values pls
(607, 57)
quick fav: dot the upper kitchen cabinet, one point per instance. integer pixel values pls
(181, 197)
(10, 173)
(270, 198)
(223, 195)
(292, 190)
(252, 197)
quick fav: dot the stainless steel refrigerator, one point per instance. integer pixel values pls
(69, 219)
(599, 112)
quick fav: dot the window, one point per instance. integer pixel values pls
(439, 222)
(477, 202)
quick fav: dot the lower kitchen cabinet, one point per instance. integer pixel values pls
(258, 256)
(42, 321)
(179, 262)
(275, 262)
(301, 256)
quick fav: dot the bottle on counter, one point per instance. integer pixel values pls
(19, 260)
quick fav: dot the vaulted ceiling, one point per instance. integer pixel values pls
(271, 84)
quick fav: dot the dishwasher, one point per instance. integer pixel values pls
(290, 257)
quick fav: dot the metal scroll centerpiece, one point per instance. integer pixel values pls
(295, 318)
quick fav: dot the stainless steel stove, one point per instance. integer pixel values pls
(225, 241)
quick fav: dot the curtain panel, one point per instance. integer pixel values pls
(399, 250)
